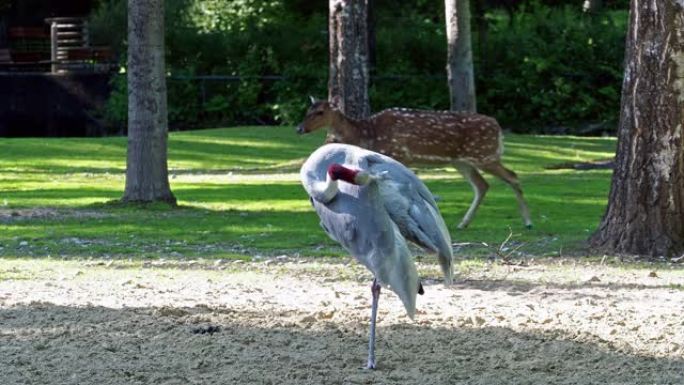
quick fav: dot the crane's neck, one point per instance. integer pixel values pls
(327, 190)
(337, 171)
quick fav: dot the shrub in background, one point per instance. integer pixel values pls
(545, 68)
(552, 67)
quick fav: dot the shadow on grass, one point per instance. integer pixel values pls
(110, 230)
(48, 344)
(59, 171)
(258, 152)
(248, 217)
(77, 194)
(228, 149)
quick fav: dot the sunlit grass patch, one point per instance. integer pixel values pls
(239, 194)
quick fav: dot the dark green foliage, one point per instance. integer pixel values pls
(116, 109)
(255, 62)
(411, 62)
(550, 67)
(232, 47)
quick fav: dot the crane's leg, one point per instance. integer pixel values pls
(375, 292)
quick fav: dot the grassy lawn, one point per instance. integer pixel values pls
(240, 196)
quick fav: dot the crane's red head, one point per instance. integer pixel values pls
(338, 171)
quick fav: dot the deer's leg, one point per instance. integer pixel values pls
(497, 169)
(479, 185)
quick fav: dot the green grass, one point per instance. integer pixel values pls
(239, 194)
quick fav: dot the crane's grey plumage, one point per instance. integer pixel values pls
(374, 216)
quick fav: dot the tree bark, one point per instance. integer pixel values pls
(372, 40)
(645, 214)
(348, 77)
(146, 167)
(460, 56)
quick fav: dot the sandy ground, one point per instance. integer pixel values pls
(303, 322)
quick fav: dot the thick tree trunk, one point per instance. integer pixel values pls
(645, 214)
(460, 55)
(146, 168)
(348, 77)
(372, 40)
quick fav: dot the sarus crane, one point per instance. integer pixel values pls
(371, 204)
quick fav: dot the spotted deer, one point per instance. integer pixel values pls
(466, 140)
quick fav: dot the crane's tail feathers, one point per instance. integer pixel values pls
(445, 262)
(449, 276)
(401, 276)
(440, 243)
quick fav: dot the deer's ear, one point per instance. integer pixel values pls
(335, 101)
(312, 99)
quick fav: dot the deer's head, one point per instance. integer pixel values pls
(319, 115)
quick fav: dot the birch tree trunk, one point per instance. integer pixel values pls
(348, 76)
(460, 56)
(146, 166)
(645, 213)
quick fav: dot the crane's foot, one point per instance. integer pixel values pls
(370, 365)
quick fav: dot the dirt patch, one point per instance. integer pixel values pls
(301, 322)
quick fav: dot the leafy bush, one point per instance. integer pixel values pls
(247, 40)
(549, 66)
(411, 59)
(552, 66)
(116, 109)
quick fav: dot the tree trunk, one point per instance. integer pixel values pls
(645, 214)
(372, 40)
(146, 168)
(460, 56)
(348, 78)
